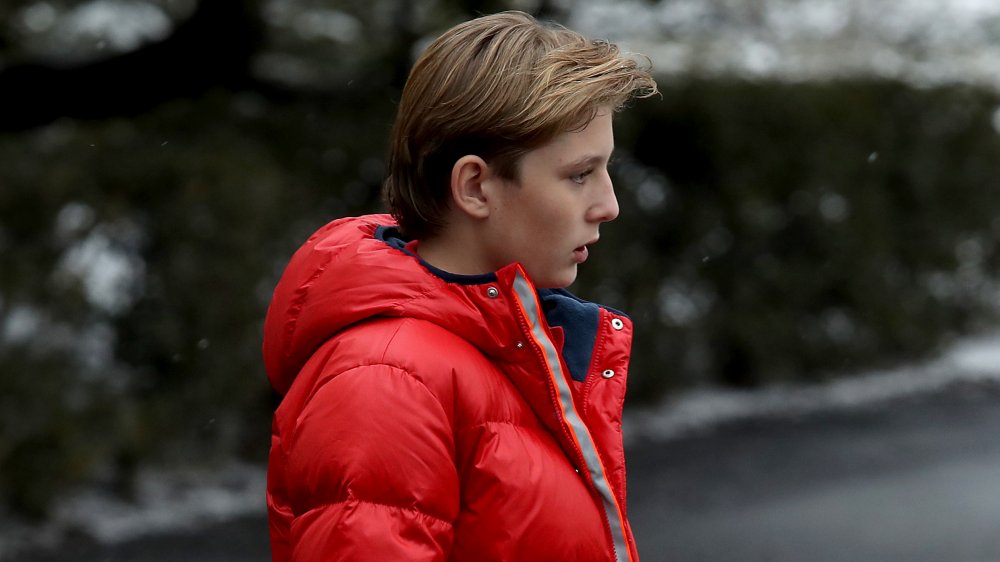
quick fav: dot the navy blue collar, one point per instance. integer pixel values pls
(579, 321)
(391, 236)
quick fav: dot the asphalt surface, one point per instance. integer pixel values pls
(913, 480)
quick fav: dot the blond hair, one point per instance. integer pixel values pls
(497, 86)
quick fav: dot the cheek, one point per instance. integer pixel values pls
(537, 215)
(548, 214)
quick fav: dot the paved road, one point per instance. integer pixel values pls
(912, 480)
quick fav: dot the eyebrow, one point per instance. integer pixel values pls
(589, 159)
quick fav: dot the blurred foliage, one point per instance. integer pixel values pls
(769, 232)
(778, 232)
(211, 196)
(315, 32)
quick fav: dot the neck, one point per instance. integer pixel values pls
(455, 249)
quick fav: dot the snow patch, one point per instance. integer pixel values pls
(125, 26)
(107, 264)
(166, 501)
(20, 324)
(922, 42)
(975, 359)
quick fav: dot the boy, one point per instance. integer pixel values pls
(444, 398)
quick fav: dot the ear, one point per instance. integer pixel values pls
(469, 191)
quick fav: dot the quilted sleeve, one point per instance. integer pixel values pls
(370, 470)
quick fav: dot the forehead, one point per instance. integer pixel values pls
(593, 141)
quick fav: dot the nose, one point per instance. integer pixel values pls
(605, 206)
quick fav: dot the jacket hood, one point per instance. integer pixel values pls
(352, 270)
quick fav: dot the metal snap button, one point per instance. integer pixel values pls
(492, 292)
(617, 324)
(608, 374)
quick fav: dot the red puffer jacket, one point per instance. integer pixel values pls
(428, 416)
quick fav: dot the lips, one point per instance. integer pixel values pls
(581, 252)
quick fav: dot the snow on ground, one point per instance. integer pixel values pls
(972, 360)
(167, 500)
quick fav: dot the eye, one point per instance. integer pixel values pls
(581, 177)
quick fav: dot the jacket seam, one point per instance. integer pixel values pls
(392, 338)
(325, 505)
(481, 424)
(409, 373)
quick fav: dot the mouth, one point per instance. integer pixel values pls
(580, 253)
